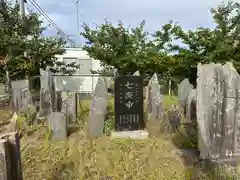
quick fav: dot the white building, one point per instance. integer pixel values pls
(82, 80)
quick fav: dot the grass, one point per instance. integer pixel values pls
(83, 158)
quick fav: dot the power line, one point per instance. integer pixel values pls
(64, 35)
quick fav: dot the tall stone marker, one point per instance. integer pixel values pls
(10, 161)
(98, 108)
(209, 110)
(184, 88)
(129, 112)
(58, 125)
(69, 106)
(155, 98)
(191, 106)
(48, 101)
(21, 96)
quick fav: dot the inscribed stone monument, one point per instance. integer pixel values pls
(230, 137)
(21, 96)
(48, 101)
(155, 101)
(98, 108)
(209, 110)
(129, 103)
(69, 106)
(58, 125)
(174, 116)
(191, 106)
(12, 155)
(183, 90)
(218, 113)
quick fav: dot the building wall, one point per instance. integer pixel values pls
(83, 79)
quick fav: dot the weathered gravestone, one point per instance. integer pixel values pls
(149, 97)
(10, 161)
(166, 127)
(2, 89)
(58, 125)
(98, 108)
(68, 106)
(209, 110)
(183, 90)
(21, 96)
(231, 116)
(129, 116)
(154, 97)
(48, 101)
(191, 106)
(218, 112)
(174, 116)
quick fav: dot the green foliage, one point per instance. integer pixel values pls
(125, 49)
(129, 49)
(206, 45)
(24, 34)
(121, 50)
(109, 123)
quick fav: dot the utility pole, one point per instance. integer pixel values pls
(22, 7)
(77, 1)
(22, 13)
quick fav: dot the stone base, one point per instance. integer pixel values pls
(227, 162)
(139, 134)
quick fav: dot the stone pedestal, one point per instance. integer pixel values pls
(138, 134)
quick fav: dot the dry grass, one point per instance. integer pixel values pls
(5, 117)
(82, 158)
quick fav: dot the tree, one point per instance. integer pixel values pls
(18, 34)
(206, 45)
(125, 49)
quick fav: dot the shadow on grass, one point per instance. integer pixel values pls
(186, 141)
(73, 128)
(63, 171)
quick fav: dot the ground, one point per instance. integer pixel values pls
(82, 158)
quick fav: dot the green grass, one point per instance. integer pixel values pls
(84, 158)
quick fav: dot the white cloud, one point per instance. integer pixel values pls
(189, 13)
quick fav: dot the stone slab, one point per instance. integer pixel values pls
(138, 134)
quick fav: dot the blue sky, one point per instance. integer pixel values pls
(190, 14)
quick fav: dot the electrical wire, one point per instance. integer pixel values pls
(61, 32)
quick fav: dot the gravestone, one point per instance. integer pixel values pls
(98, 109)
(31, 114)
(68, 106)
(58, 125)
(209, 110)
(231, 131)
(20, 84)
(191, 106)
(183, 90)
(48, 95)
(165, 124)
(4, 160)
(129, 116)
(21, 96)
(174, 116)
(218, 113)
(2, 89)
(10, 147)
(149, 97)
(155, 98)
